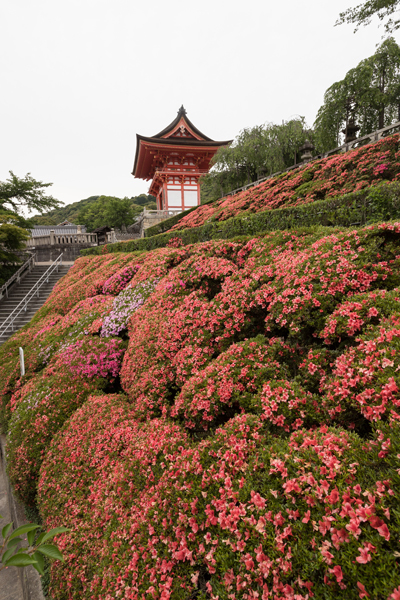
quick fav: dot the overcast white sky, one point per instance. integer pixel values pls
(79, 78)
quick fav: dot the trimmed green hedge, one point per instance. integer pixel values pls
(379, 203)
(168, 223)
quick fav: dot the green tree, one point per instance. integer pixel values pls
(16, 196)
(363, 13)
(26, 193)
(14, 231)
(109, 210)
(255, 153)
(119, 212)
(373, 90)
(71, 212)
(43, 220)
(146, 200)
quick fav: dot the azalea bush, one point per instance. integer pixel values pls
(125, 304)
(288, 291)
(365, 378)
(355, 315)
(239, 515)
(217, 420)
(315, 367)
(44, 403)
(89, 358)
(86, 280)
(229, 384)
(39, 409)
(121, 453)
(42, 340)
(84, 319)
(119, 281)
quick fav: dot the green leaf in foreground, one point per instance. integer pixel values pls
(13, 543)
(23, 529)
(40, 538)
(6, 529)
(39, 566)
(20, 560)
(53, 532)
(51, 551)
(7, 555)
(31, 537)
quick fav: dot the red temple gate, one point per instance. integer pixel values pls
(174, 160)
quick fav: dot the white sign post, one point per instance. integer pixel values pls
(22, 361)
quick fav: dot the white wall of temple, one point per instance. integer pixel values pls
(182, 194)
(179, 192)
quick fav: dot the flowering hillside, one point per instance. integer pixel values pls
(321, 179)
(217, 421)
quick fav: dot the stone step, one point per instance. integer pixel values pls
(7, 308)
(24, 291)
(36, 277)
(29, 309)
(33, 308)
(18, 292)
(16, 298)
(29, 284)
(24, 316)
(31, 278)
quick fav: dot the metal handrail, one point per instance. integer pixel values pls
(22, 306)
(30, 263)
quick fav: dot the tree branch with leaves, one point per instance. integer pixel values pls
(374, 88)
(363, 13)
(255, 153)
(14, 555)
(18, 193)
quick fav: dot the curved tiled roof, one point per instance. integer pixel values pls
(141, 166)
(39, 230)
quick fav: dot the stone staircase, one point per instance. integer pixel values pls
(19, 291)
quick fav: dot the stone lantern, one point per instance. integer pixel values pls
(306, 151)
(350, 130)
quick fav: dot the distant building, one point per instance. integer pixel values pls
(174, 160)
(67, 229)
(49, 241)
(102, 234)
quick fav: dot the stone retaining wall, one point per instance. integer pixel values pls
(51, 252)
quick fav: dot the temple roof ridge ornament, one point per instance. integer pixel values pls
(182, 119)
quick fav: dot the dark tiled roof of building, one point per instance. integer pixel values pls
(171, 126)
(162, 138)
(103, 229)
(64, 230)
